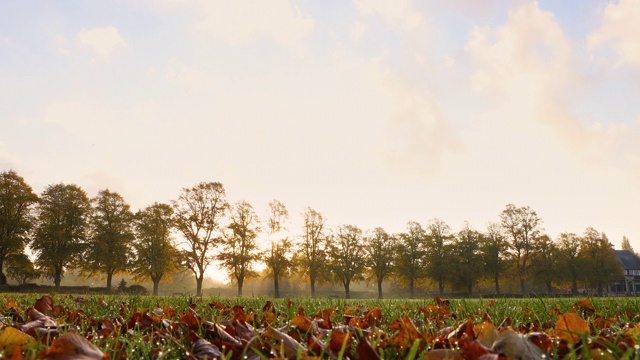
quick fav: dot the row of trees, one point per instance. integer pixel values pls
(103, 237)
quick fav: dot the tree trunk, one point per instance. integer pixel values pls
(57, 277)
(379, 288)
(346, 290)
(3, 277)
(109, 277)
(497, 284)
(412, 292)
(549, 287)
(240, 283)
(469, 289)
(441, 286)
(199, 284)
(276, 288)
(156, 285)
(313, 286)
(574, 286)
(522, 288)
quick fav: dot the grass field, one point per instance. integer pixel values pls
(141, 327)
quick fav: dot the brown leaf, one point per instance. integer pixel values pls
(487, 333)
(407, 332)
(338, 340)
(584, 305)
(442, 354)
(72, 346)
(365, 351)
(201, 348)
(291, 346)
(571, 326)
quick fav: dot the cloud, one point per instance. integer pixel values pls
(358, 30)
(241, 21)
(419, 134)
(400, 13)
(619, 30)
(103, 40)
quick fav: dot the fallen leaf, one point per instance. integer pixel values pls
(514, 345)
(72, 346)
(442, 354)
(11, 337)
(571, 326)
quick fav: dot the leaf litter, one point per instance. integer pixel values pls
(223, 330)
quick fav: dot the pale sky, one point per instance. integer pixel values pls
(373, 112)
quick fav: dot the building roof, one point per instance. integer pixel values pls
(629, 260)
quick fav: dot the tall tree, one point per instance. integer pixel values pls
(626, 244)
(198, 212)
(346, 256)
(278, 257)
(600, 263)
(522, 225)
(411, 254)
(312, 257)
(545, 262)
(240, 249)
(438, 240)
(61, 232)
(569, 257)
(156, 256)
(493, 248)
(379, 250)
(466, 260)
(109, 249)
(16, 218)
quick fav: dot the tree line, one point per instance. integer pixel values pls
(102, 236)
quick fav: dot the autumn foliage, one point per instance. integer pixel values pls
(215, 329)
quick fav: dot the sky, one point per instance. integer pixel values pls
(372, 112)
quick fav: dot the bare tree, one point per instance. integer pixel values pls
(198, 212)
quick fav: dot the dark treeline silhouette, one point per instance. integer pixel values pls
(102, 237)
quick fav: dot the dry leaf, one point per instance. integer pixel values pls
(571, 326)
(442, 354)
(72, 346)
(514, 345)
(12, 337)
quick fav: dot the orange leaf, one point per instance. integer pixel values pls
(570, 326)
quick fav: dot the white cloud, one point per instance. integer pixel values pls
(240, 21)
(620, 31)
(398, 12)
(103, 40)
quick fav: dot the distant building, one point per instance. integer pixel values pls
(630, 284)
